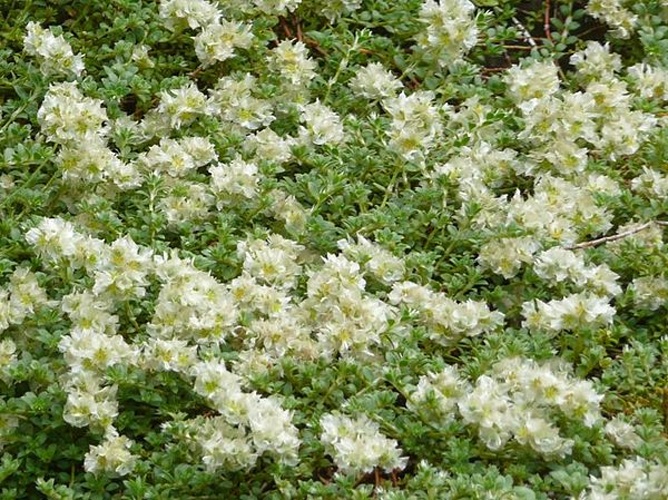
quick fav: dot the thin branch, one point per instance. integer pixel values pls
(517, 47)
(546, 20)
(618, 236)
(286, 28)
(524, 32)
(296, 22)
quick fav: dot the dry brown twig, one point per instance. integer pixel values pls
(546, 20)
(618, 236)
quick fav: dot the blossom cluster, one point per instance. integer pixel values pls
(80, 125)
(53, 52)
(191, 307)
(446, 319)
(615, 14)
(634, 478)
(558, 122)
(248, 426)
(21, 298)
(301, 216)
(451, 29)
(516, 400)
(358, 446)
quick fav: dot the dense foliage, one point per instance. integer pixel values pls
(341, 249)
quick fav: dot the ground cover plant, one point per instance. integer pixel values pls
(342, 249)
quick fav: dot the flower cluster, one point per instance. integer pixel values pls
(112, 456)
(290, 60)
(218, 38)
(446, 320)
(232, 100)
(272, 261)
(358, 446)
(451, 29)
(334, 9)
(92, 345)
(191, 304)
(615, 14)
(207, 313)
(276, 6)
(194, 14)
(553, 212)
(177, 158)
(68, 118)
(80, 125)
(557, 265)
(415, 124)
(648, 81)
(248, 427)
(517, 399)
(21, 298)
(579, 310)
(345, 318)
(634, 478)
(375, 82)
(321, 125)
(649, 292)
(181, 106)
(558, 123)
(218, 41)
(235, 180)
(377, 261)
(53, 52)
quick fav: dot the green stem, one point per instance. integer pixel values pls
(26, 184)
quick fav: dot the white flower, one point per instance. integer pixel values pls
(168, 355)
(112, 456)
(141, 57)
(613, 13)
(558, 264)
(570, 313)
(290, 60)
(334, 9)
(451, 29)
(186, 202)
(533, 80)
(622, 433)
(273, 261)
(89, 404)
(277, 7)
(92, 161)
(272, 430)
(505, 256)
(321, 125)
(232, 101)
(649, 81)
(415, 123)
(267, 145)
(375, 82)
(446, 387)
(182, 105)
(543, 437)
(53, 52)
(217, 41)
(357, 445)
(222, 445)
(234, 179)
(54, 238)
(596, 61)
(194, 13)
(67, 117)
(376, 260)
(649, 292)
